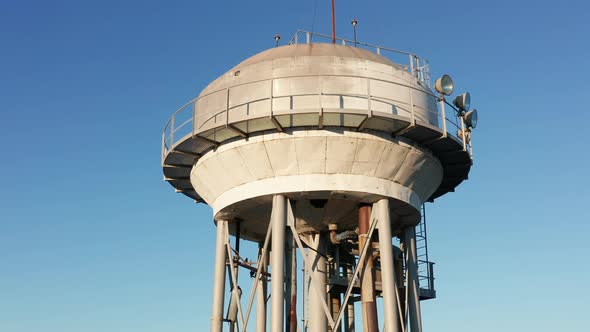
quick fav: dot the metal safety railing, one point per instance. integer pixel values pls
(415, 65)
(188, 121)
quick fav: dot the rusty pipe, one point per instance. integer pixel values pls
(367, 278)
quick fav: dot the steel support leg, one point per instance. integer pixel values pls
(261, 296)
(412, 274)
(390, 304)
(318, 321)
(219, 278)
(279, 222)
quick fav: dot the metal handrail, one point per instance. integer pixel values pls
(171, 128)
(417, 66)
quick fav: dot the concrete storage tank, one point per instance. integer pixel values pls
(315, 146)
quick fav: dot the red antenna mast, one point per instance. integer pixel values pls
(333, 24)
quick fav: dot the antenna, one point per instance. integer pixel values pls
(333, 24)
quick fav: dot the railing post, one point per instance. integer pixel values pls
(370, 109)
(163, 146)
(463, 138)
(444, 117)
(307, 38)
(194, 118)
(412, 64)
(172, 130)
(226, 107)
(412, 113)
(378, 50)
(431, 276)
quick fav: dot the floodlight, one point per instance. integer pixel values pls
(471, 118)
(444, 85)
(462, 101)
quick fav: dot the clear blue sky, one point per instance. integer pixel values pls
(92, 239)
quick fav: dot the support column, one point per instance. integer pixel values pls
(412, 284)
(318, 322)
(367, 278)
(219, 278)
(390, 304)
(279, 222)
(261, 295)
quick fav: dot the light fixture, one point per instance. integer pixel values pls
(462, 101)
(354, 22)
(444, 85)
(471, 118)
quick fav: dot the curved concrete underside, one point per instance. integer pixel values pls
(346, 168)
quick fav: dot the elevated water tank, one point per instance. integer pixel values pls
(329, 126)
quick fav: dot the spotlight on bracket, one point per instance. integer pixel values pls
(462, 101)
(471, 118)
(444, 85)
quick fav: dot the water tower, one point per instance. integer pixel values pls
(329, 149)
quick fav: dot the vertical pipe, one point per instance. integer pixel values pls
(335, 301)
(279, 222)
(237, 246)
(261, 295)
(335, 306)
(318, 321)
(293, 311)
(412, 285)
(390, 305)
(350, 305)
(290, 284)
(367, 278)
(305, 296)
(219, 278)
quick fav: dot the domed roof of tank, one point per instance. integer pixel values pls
(296, 51)
(319, 49)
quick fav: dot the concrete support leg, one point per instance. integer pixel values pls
(219, 278)
(279, 222)
(318, 322)
(367, 277)
(390, 304)
(261, 296)
(412, 274)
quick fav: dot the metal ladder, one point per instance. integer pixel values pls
(425, 266)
